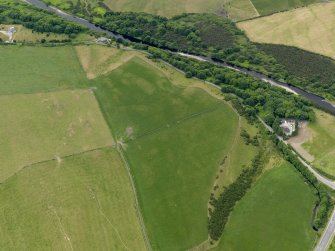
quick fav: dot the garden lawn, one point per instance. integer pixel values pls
(175, 139)
(30, 69)
(39, 127)
(84, 202)
(274, 215)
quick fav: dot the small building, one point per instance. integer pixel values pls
(288, 126)
(103, 40)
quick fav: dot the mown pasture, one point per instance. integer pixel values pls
(84, 202)
(30, 69)
(321, 143)
(310, 28)
(39, 127)
(275, 214)
(175, 139)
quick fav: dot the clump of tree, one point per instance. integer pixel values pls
(248, 139)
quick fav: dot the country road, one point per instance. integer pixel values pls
(316, 100)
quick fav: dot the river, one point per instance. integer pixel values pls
(315, 99)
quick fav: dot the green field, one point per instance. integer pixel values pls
(266, 7)
(274, 215)
(39, 127)
(240, 9)
(83, 203)
(321, 143)
(35, 69)
(174, 139)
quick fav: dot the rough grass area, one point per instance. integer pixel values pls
(83, 203)
(266, 7)
(99, 60)
(322, 143)
(310, 28)
(34, 69)
(39, 127)
(174, 139)
(274, 215)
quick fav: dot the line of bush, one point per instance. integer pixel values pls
(224, 205)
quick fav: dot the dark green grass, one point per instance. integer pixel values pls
(37, 69)
(265, 7)
(274, 215)
(174, 167)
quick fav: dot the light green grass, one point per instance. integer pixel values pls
(38, 127)
(274, 215)
(83, 203)
(310, 28)
(266, 7)
(322, 142)
(174, 166)
(34, 69)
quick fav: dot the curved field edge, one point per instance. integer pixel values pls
(275, 214)
(84, 202)
(156, 138)
(310, 28)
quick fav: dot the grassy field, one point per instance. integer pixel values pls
(35, 69)
(266, 7)
(38, 127)
(321, 144)
(99, 60)
(240, 9)
(274, 215)
(174, 138)
(83, 203)
(310, 28)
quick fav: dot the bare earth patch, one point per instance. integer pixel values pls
(303, 136)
